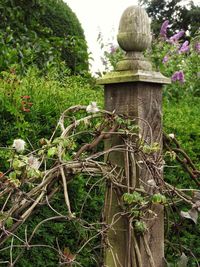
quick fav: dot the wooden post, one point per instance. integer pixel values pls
(135, 90)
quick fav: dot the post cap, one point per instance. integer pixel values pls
(134, 37)
(134, 32)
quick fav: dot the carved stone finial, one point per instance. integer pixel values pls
(134, 37)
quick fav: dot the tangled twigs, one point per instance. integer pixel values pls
(137, 249)
(148, 251)
(173, 145)
(95, 142)
(75, 148)
(65, 190)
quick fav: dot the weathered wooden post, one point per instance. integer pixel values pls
(134, 89)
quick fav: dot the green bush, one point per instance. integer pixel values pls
(67, 234)
(50, 95)
(187, 62)
(41, 33)
(58, 17)
(182, 119)
(53, 93)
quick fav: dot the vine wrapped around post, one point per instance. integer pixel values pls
(136, 91)
(36, 177)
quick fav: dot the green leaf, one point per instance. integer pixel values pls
(13, 178)
(158, 199)
(9, 222)
(135, 197)
(41, 152)
(140, 226)
(18, 164)
(33, 173)
(57, 141)
(52, 152)
(12, 175)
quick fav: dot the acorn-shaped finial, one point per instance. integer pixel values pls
(134, 37)
(134, 30)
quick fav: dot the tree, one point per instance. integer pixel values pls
(41, 33)
(63, 23)
(181, 17)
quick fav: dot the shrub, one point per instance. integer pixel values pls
(182, 119)
(41, 33)
(63, 22)
(49, 95)
(168, 59)
(71, 234)
(52, 94)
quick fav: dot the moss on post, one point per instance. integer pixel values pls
(135, 90)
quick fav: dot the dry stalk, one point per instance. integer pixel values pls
(118, 179)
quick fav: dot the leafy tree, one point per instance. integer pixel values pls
(63, 23)
(41, 33)
(181, 17)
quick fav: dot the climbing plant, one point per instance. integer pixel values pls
(36, 177)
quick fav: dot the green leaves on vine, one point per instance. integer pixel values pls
(158, 199)
(133, 198)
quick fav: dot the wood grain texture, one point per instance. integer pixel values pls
(144, 102)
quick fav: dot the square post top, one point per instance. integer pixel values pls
(134, 37)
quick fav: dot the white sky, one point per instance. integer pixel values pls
(100, 15)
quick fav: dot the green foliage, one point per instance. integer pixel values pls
(158, 199)
(181, 17)
(63, 23)
(140, 227)
(182, 119)
(187, 62)
(111, 54)
(133, 198)
(41, 33)
(49, 95)
(53, 93)
(64, 233)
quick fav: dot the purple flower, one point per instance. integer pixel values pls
(173, 39)
(113, 49)
(163, 29)
(165, 59)
(178, 76)
(197, 47)
(185, 47)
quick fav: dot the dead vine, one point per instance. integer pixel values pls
(25, 187)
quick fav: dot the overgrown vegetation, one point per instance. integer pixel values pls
(38, 177)
(31, 105)
(182, 16)
(49, 96)
(41, 33)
